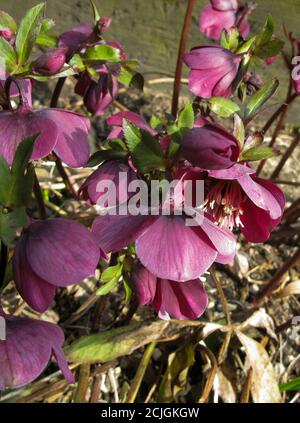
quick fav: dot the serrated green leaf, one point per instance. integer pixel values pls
(223, 106)
(8, 56)
(28, 31)
(187, 117)
(258, 99)
(103, 52)
(6, 21)
(257, 153)
(272, 48)
(129, 76)
(10, 223)
(146, 151)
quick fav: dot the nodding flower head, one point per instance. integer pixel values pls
(213, 70)
(50, 62)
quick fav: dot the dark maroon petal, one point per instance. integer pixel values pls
(61, 251)
(181, 301)
(210, 147)
(50, 62)
(101, 94)
(34, 290)
(27, 351)
(137, 120)
(171, 250)
(262, 195)
(116, 232)
(72, 142)
(16, 126)
(72, 39)
(145, 285)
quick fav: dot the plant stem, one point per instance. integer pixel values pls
(274, 283)
(291, 210)
(83, 383)
(39, 198)
(221, 294)
(54, 101)
(138, 378)
(181, 51)
(286, 156)
(3, 262)
(281, 113)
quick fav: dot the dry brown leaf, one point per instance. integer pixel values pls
(292, 288)
(224, 388)
(260, 319)
(264, 388)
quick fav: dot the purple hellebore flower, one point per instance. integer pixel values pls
(118, 173)
(64, 132)
(165, 245)
(222, 14)
(210, 147)
(180, 300)
(50, 62)
(74, 39)
(213, 70)
(49, 254)
(117, 121)
(27, 349)
(8, 35)
(240, 198)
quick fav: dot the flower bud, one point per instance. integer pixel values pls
(51, 62)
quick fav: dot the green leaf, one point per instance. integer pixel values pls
(129, 76)
(187, 117)
(272, 48)
(104, 155)
(23, 154)
(5, 182)
(6, 21)
(175, 378)
(44, 39)
(292, 385)
(103, 52)
(156, 122)
(10, 224)
(8, 57)
(257, 153)
(28, 31)
(110, 277)
(109, 345)
(128, 291)
(96, 12)
(145, 150)
(266, 45)
(223, 106)
(230, 39)
(258, 99)
(239, 130)
(266, 33)
(245, 48)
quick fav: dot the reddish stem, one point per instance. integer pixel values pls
(285, 157)
(274, 283)
(181, 51)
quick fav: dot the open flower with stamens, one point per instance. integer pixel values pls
(238, 198)
(27, 349)
(171, 299)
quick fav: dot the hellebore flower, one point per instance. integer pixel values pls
(240, 198)
(64, 132)
(98, 95)
(119, 174)
(50, 62)
(223, 14)
(49, 254)
(117, 121)
(76, 38)
(180, 300)
(213, 69)
(210, 147)
(27, 349)
(165, 245)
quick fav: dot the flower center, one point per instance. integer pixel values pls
(224, 202)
